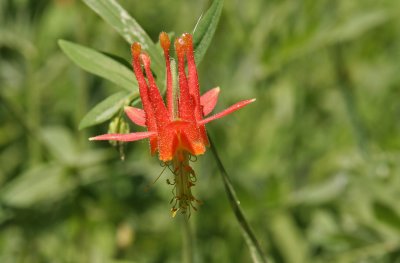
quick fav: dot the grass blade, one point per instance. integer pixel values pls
(105, 110)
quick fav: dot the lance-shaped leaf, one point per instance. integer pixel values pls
(99, 64)
(106, 109)
(205, 29)
(40, 184)
(116, 16)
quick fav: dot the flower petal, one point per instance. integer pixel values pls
(144, 95)
(159, 109)
(165, 44)
(186, 106)
(227, 111)
(193, 83)
(189, 99)
(167, 145)
(193, 80)
(191, 142)
(136, 115)
(208, 100)
(128, 137)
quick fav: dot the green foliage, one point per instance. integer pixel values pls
(127, 27)
(205, 29)
(106, 109)
(99, 64)
(315, 160)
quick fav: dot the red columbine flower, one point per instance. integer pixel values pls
(176, 130)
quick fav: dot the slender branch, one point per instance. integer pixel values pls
(254, 246)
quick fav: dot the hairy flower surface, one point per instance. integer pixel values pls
(176, 129)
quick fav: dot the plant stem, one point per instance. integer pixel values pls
(183, 200)
(254, 246)
(187, 240)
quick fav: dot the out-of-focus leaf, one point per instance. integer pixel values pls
(8, 132)
(105, 110)
(116, 16)
(387, 215)
(347, 30)
(323, 229)
(92, 157)
(63, 147)
(45, 183)
(205, 29)
(357, 25)
(10, 158)
(99, 64)
(9, 39)
(60, 143)
(321, 193)
(288, 238)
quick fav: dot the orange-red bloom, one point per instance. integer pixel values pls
(178, 126)
(176, 129)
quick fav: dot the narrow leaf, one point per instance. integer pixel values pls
(288, 238)
(256, 252)
(387, 215)
(357, 25)
(105, 110)
(116, 16)
(41, 184)
(60, 143)
(99, 64)
(321, 193)
(205, 29)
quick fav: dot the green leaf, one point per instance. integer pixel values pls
(321, 193)
(60, 143)
(288, 238)
(116, 16)
(357, 25)
(105, 110)
(387, 215)
(256, 252)
(99, 64)
(205, 29)
(44, 183)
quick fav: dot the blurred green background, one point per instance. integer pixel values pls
(315, 160)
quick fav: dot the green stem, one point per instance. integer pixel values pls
(254, 246)
(183, 199)
(187, 241)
